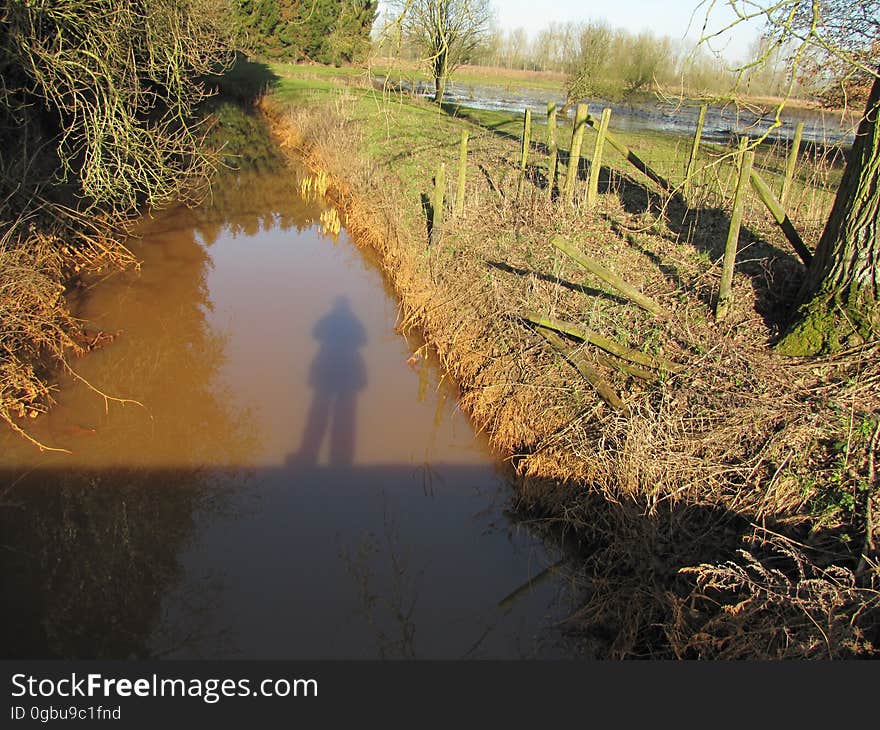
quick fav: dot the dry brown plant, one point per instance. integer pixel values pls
(741, 430)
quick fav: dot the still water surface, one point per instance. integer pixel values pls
(285, 479)
(820, 127)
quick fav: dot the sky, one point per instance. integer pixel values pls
(662, 17)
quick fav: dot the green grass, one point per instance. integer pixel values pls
(411, 136)
(406, 135)
(468, 75)
(709, 425)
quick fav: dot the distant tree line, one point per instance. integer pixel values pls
(604, 61)
(324, 31)
(601, 61)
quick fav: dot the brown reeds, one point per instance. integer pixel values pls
(38, 332)
(741, 431)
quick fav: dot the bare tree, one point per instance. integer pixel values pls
(446, 31)
(839, 302)
(110, 87)
(517, 47)
(644, 60)
(590, 66)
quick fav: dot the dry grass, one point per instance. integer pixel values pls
(741, 431)
(776, 601)
(39, 257)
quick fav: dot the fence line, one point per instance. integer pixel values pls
(792, 162)
(746, 160)
(596, 162)
(574, 152)
(524, 156)
(552, 149)
(437, 203)
(695, 148)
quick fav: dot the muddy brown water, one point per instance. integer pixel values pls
(285, 475)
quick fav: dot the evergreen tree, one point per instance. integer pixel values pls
(325, 31)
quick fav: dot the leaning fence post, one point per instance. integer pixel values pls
(524, 157)
(437, 210)
(551, 147)
(596, 162)
(778, 212)
(792, 162)
(462, 173)
(574, 152)
(695, 148)
(746, 158)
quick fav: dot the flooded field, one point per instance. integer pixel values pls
(260, 466)
(721, 122)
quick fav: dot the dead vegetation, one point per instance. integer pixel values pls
(99, 118)
(776, 601)
(739, 430)
(39, 256)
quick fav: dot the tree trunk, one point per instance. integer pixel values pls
(839, 302)
(441, 71)
(439, 88)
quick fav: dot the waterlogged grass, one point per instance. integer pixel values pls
(412, 136)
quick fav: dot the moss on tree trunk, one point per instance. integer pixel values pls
(839, 302)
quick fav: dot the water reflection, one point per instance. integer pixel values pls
(821, 127)
(86, 556)
(337, 374)
(181, 528)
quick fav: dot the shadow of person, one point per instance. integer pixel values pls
(336, 375)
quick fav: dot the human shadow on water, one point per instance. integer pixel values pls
(336, 375)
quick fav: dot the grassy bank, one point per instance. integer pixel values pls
(732, 443)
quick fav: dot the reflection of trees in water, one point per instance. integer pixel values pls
(170, 364)
(250, 202)
(387, 602)
(88, 556)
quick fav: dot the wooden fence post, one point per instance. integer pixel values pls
(462, 173)
(634, 159)
(574, 152)
(695, 148)
(778, 212)
(437, 203)
(609, 277)
(596, 162)
(792, 162)
(746, 159)
(552, 148)
(524, 157)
